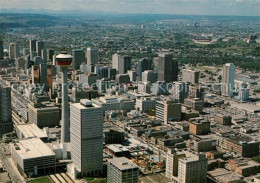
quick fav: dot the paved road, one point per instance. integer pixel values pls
(11, 169)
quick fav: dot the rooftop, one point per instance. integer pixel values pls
(32, 148)
(31, 130)
(123, 163)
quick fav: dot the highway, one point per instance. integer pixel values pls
(11, 169)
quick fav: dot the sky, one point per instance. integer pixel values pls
(184, 7)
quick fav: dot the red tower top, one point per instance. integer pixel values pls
(64, 59)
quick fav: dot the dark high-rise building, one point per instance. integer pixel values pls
(78, 58)
(32, 45)
(39, 47)
(50, 53)
(43, 76)
(44, 55)
(1, 49)
(168, 68)
(6, 125)
(143, 65)
(112, 73)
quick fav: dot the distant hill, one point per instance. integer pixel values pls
(12, 20)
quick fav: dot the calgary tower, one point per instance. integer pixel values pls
(64, 60)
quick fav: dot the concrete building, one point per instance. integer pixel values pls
(32, 45)
(33, 157)
(190, 76)
(78, 59)
(228, 79)
(121, 63)
(1, 49)
(92, 56)
(223, 119)
(113, 103)
(180, 91)
(145, 104)
(172, 163)
(143, 65)
(44, 114)
(14, 51)
(144, 87)
(104, 84)
(27, 131)
(6, 124)
(242, 145)
(204, 145)
(199, 127)
(122, 170)
(193, 169)
(168, 111)
(243, 92)
(114, 137)
(132, 75)
(194, 103)
(39, 47)
(160, 88)
(87, 148)
(44, 55)
(168, 68)
(25, 53)
(50, 54)
(149, 76)
(122, 78)
(88, 79)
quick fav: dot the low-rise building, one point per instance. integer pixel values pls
(122, 170)
(199, 127)
(32, 156)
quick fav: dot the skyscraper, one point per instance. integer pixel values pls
(50, 53)
(121, 63)
(14, 51)
(39, 47)
(143, 65)
(25, 53)
(168, 68)
(78, 58)
(64, 60)
(87, 137)
(92, 56)
(43, 76)
(1, 49)
(6, 125)
(228, 79)
(44, 55)
(32, 45)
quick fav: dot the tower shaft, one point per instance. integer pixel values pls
(65, 129)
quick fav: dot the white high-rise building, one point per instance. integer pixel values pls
(86, 130)
(92, 56)
(14, 51)
(228, 79)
